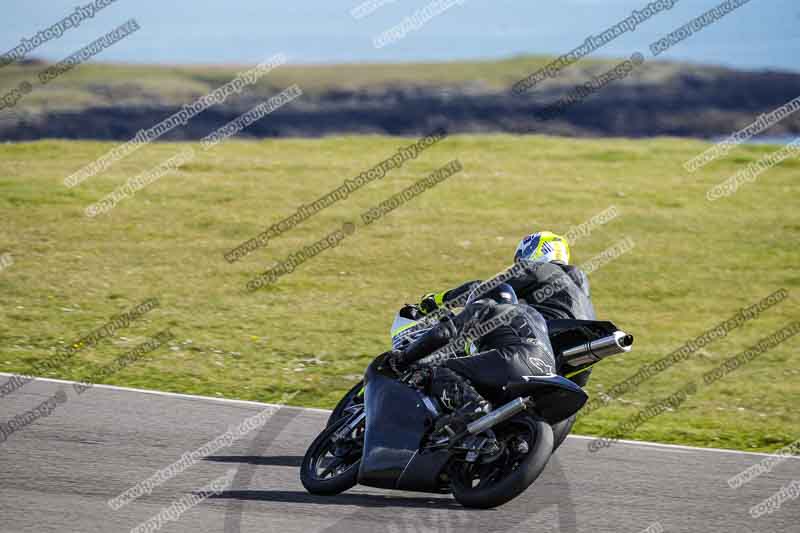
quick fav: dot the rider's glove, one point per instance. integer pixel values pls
(431, 302)
(394, 360)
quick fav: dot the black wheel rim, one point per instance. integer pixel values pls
(334, 459)
(481, 476)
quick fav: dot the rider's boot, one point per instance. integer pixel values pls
(457, 395)
(456, 422)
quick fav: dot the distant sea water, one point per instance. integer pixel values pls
(759, 35)
(768, 139)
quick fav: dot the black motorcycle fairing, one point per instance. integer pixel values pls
(555, 398)
(423, 472)
(396, 421)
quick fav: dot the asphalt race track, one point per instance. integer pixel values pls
(59, 472)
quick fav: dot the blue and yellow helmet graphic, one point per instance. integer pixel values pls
(543, 247)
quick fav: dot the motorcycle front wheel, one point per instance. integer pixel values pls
(331, 467)
(353, 397)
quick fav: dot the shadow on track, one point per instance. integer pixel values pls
(274, 460)
(359, 500)
(548, 505)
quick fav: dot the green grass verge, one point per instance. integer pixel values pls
(694, 264)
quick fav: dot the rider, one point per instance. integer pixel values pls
(545, 258)
(511, 339)
(548, 283)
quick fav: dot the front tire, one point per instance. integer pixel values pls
(351, 398)
(505, 479)
(331, 468)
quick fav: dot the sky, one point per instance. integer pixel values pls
(762, 34)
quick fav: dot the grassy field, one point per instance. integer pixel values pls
(694, 263)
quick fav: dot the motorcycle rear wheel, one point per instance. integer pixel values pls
(487, 486)
(562, 429)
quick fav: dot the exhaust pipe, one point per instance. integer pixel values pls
(588, 352)
(593, 351)
(493, 418)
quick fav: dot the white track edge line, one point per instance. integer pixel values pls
(174, 394)
(642, 443)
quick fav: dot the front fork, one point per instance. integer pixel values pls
(356, 417)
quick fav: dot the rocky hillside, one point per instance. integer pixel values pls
(112, 102)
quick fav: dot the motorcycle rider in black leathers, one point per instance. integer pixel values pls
(548, 283)
(511, 339)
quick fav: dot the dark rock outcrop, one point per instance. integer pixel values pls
(691, 102)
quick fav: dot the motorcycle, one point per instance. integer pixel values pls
(383, 433)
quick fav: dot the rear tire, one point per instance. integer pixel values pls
(562, 429)
(312, 461)
(530, 465)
